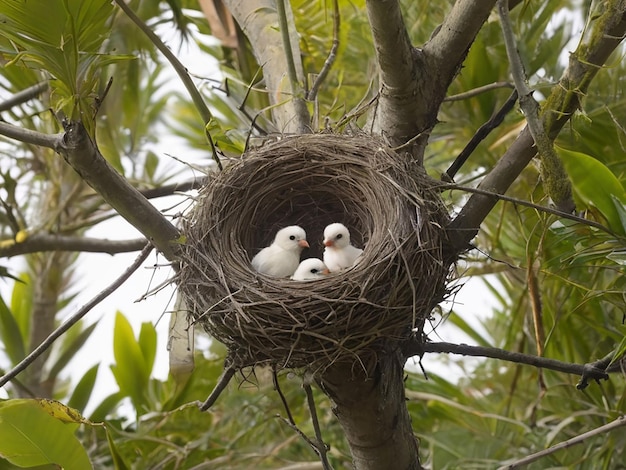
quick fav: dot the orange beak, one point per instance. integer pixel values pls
(303, 243)
(325, 271)
(328, 243)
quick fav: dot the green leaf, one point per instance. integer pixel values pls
(30, 435)
(595, 185)
(106, 407)
(82, 392)
(148, 344)
(118, 461)
(619, 351)
(130, 369)
(22, 304)
(10, 334)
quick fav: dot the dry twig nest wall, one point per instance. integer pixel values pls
(391, 209)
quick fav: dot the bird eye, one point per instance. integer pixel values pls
(292, 237)
(314, 271)
(339, 236)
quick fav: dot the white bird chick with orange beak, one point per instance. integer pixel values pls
(282, 257)
(310, 269)
(339, 253)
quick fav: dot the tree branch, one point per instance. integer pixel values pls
(53, 242)
(53, 141)
(588, 371)
(24, 96)
(562, 103)
(72, 320)
(258, 20)
(332, 55)
(554, 176)
(619, 422)
(222, 382)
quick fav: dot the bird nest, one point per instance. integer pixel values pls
(392, 210)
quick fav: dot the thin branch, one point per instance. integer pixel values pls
(282, 397)
(52, 242)
(617, 423)
(589, 371)
(72, 320)
(169, 189)
(322, 449)
(52, 141)
(482, 132)
(222, 382)
(180, 69)
(478, 91)
(332, 55)
(556, 181)
(564, 100)
(24, 96)
(521, 202)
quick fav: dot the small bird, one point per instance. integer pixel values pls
(339, 253)
(310, 269)
(282, 257)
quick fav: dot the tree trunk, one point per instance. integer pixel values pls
(372, 412)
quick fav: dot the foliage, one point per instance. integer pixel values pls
(496, 413)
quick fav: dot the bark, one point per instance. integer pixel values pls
(258, 19)
(564, 100)
(413, 82)
(373, 414)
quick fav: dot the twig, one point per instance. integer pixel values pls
(332, 55)
(39, 350)
(282, 397)
(222, 382)
(23, 96)
(521, 202)
(52, 242)
(555, 178)
(619, 422)
(322, 449)
(482, 132)
(586, 371)
(477, 91)
(52, 141)
(180, 69)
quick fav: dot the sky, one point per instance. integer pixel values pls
(97, 271)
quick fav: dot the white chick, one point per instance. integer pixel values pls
(282, 257)
(339, 253)
(310, 269)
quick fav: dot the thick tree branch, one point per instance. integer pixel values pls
(562, 103)
(81, 153)
(52, 242)
(413, 82)
(258, 20)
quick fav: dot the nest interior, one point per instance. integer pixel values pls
(393, 212)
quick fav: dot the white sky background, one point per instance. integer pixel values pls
(96, 271)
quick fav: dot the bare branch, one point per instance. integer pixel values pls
(180, 69)
(72, 320)
(562, 103)
(590, 371)
(53, 141)
(53, 242)
(320, 447)
(555, 179)
(617, 423)
(478, 91)
(222, 382)
(24, 96)
(83, 155)
(332, 55)
(482, 132)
